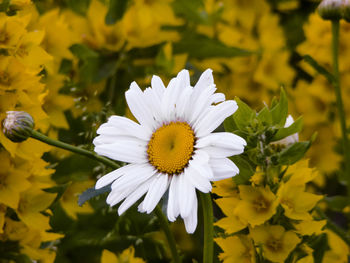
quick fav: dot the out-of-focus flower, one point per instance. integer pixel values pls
(238, 248)
(339, 250)
(127, 256)
(276, 242)
(172, 147)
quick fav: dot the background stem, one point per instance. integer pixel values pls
(340, 105)
(208, 247)
(165, 226)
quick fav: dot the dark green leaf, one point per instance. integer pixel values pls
(191, 10)
(243, 115)
(293, 128)
(265, 116)
(79, 6)
(116, 11)
(200, 46)
(320, 247)
(83, 52)
(92, 192)
(337, 203)
(66, 66)
(280, 111)
(313, 63)
(245, 170)
(293, 153)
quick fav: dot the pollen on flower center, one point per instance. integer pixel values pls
(171, 147)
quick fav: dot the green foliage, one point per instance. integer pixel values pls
(116, 11)
(313, 63)
(201, 46)
(263, 132)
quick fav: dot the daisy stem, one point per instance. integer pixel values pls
(41, 137)
(171, 240)
(162, 219)
(208, 248)
(340, 104)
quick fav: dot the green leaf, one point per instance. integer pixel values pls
(116, 11)
(313, 63)
(265, 116)
(293, 153)
(280, 111)
(320, 246)
(243, 115)
(83, 52)
(191, 10)
(79, 6)
(245, 170)
(66, 66)
(92, 192)
(337, 203)
(293, 128)
(200, 46)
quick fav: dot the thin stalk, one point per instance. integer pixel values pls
(41, 137)
(340, 104)
(208, 247)
(171, 240)
(162, 219)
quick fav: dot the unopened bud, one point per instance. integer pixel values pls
(17, 126)
(331, 9)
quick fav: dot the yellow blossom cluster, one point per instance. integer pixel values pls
(250, 25)
(23, 176)
(315, 100)
(272, 220)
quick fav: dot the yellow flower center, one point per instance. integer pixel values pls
(171, 147)
(274, 244)
(261, 204)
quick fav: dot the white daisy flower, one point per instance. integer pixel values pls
(172, 147)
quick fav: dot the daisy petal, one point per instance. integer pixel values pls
(214, 117)
(158, 86)
(158, 187)
(130, 150)
(134, 196)
(110, 177)
(221, 144)
(187, 196)
(192, 174)
(191, 220)
(173, 207)
(223, 168)
(138, 175)
(136, 102)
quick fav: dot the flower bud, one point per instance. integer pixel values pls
(346, 10)
(17, 126)
(331, 9)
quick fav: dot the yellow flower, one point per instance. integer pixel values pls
(296, 202)
(257, 204)
(225, 188)
(12, 181)
(310, 227)
(276, 242)
(127, 256)
(238, 248)
(257, 178)
(339, 250)
(69, 200)
(232, 222)
(300, 173)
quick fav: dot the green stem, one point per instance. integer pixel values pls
(171, 240)
(336, 229)
(208, 248)
(41, 137)
(162, 219)
(340, 104)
